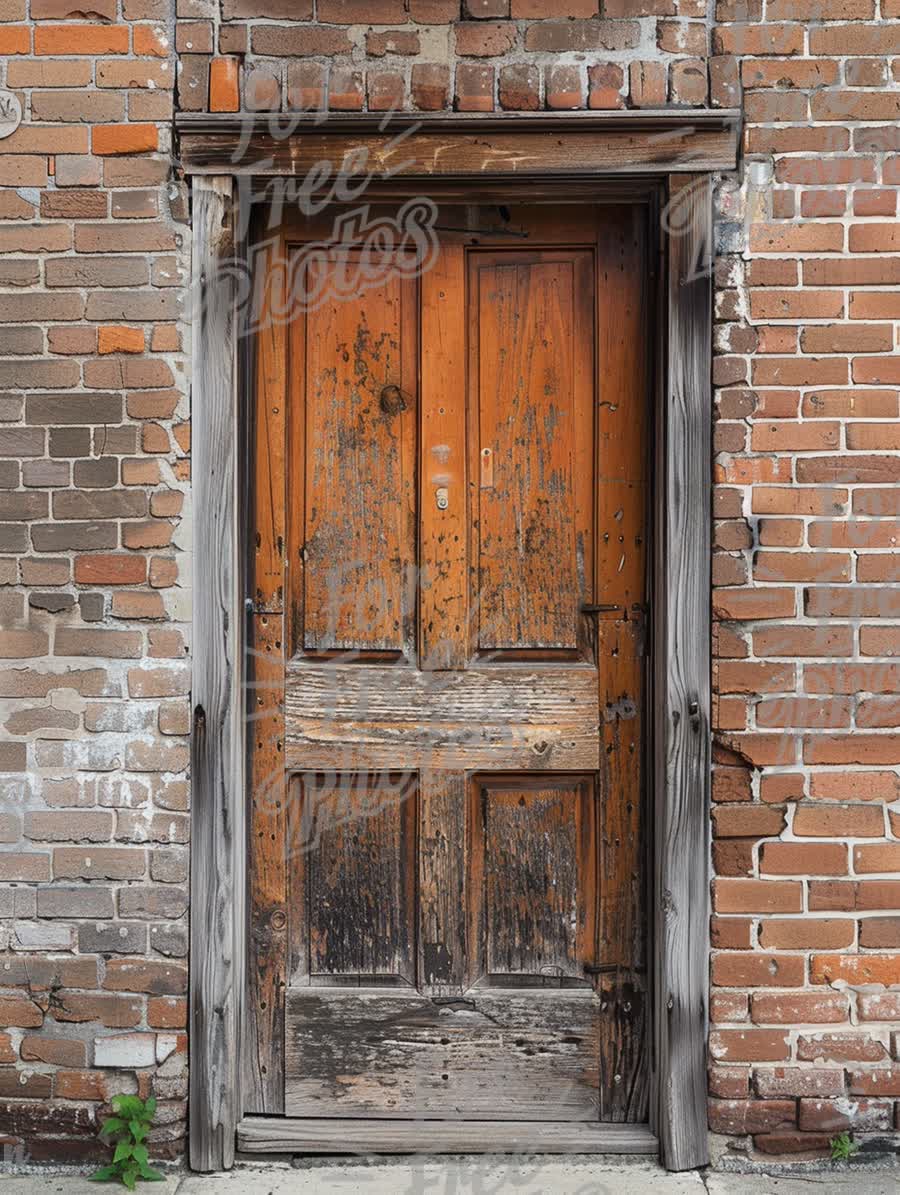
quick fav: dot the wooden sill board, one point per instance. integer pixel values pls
(276, 1134)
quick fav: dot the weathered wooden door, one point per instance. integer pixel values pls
(449, 630)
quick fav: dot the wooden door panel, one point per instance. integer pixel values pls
(353, 876)
(531, 354)
(351, 716)
(355, 363)
(533, 885)
(508, 1055)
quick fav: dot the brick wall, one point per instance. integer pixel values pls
(428, 55)
(93, 675)
(94, 560)
(806, 1002)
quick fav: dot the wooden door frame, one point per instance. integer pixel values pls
(668, 154)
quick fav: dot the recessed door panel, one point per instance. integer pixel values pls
(352, 863)
(531, 391)
(533, 854)
(354, 362)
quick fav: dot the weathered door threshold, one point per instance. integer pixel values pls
(278, 1134)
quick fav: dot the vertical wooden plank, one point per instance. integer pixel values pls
(443, 584)
(682, 687)
(622, 985)
(442, 882)
(268, 855)
(622, 537)
(622, 407)
(217, 821)
(263, 1047)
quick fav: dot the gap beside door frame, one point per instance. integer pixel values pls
(576, 155)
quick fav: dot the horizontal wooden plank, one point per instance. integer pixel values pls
(518, 1054)
(370, 716)
(477, 146)
(275, 1134)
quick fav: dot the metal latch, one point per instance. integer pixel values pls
(598, 607)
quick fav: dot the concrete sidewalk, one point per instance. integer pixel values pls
(476, 1176)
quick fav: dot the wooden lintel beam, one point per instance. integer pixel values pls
(568, 146)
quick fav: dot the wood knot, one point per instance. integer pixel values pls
(391, 400)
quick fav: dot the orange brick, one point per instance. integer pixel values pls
(834, 821)
(872, 749)
(81, 39)
(151, 41)
(110, 139)
(224, 85)
(15, 39)
(116, 339)
(116, 569)
(880, 857)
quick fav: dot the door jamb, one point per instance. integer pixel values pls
(679, 708)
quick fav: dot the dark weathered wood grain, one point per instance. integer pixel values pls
(353, 864)
(350, 716)
(267, 1134)
(452, 145)
(442, 882)
(533, 878)
(515, 1054)
(217, 813)
(623, 984)
(623, 536)
(263, 1042)
(682, 690)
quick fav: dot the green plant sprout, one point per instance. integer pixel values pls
(843, 1147)
(127, 1130)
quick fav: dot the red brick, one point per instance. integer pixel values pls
(758, 970)
(802, 858)
(855, 969)
(474, 87)
(798, 1008)
(783, 1081)
(877, 1081)
(853, 748)
(430, 84)
(605, 83)
(835, 1116)
(519, 88)
(840, 1047)
(873, 858)
(483, 40)
(806, 933)
(748, 1045)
